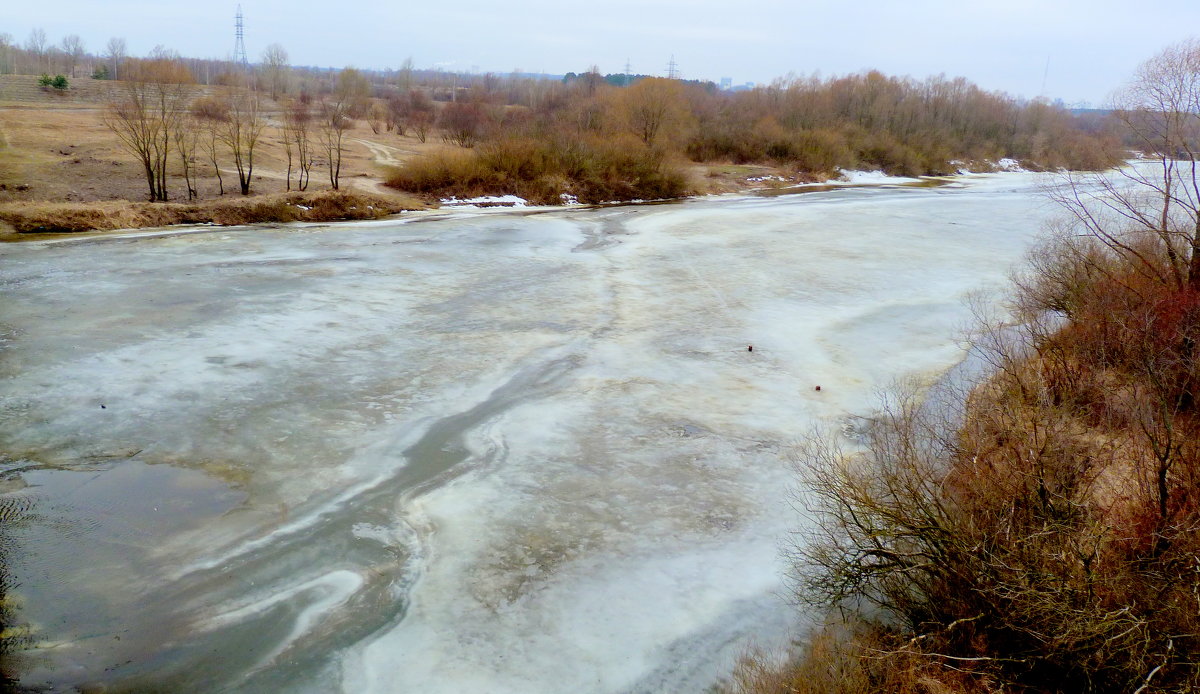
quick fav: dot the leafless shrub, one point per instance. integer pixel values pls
(1045, 536)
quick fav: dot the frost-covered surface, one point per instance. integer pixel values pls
(872, 178)
(488, 200)
(1006, 165)
(471, 452)
(1010, 165)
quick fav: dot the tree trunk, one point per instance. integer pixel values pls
(150, 180)
(1194, 263)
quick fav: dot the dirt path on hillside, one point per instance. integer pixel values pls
(384, 154)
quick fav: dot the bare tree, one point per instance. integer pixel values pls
(210, 114)
(336, 117)
(463, 122)
(397, 113)
(377, 116)
(36, 44)
(151, 107)
(297, 122)
(72, 47)
(6, 46)
(276, 70)
(354, 91)
(115, 53)
(422, 122)
(186, 137)
(241, 131)
(421, 113)
(405, 77)
(591, 80)
(332, 123)
(655, 109)
(1161, 110)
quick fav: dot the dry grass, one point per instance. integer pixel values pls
(318, 206)
(62, 170)
(62, 152)
(592, 169)
(855, 658)
(54, 152)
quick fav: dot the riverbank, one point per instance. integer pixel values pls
(25, 220)
(1006, 530)
(62, 170)
(317, 206)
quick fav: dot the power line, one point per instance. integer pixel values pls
(672, 69)
(239, 44)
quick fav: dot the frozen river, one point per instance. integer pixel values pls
(475, 452)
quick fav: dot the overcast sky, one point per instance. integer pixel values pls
(1077, 50)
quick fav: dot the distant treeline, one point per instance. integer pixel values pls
(541, 143)
(625, 79)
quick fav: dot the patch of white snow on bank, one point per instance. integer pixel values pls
(871, 178)
(486, 201)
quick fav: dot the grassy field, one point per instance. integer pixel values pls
(58, 158)
(58, 161)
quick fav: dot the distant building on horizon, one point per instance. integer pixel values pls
(726, 83)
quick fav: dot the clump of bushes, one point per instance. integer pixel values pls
(58, 82)
(900, 125)
(593, 169)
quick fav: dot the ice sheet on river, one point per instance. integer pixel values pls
(502, 452)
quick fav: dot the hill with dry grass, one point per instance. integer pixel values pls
(58, 159)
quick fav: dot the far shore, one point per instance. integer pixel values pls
(36, 220)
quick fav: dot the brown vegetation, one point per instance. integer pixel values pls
(1044, 537)
(592, 169)
(808, 128)
(584, 136)
(320, 206)
(902, 126)
(51, 153)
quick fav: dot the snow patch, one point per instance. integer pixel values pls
(486, 201)
(871, 178)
